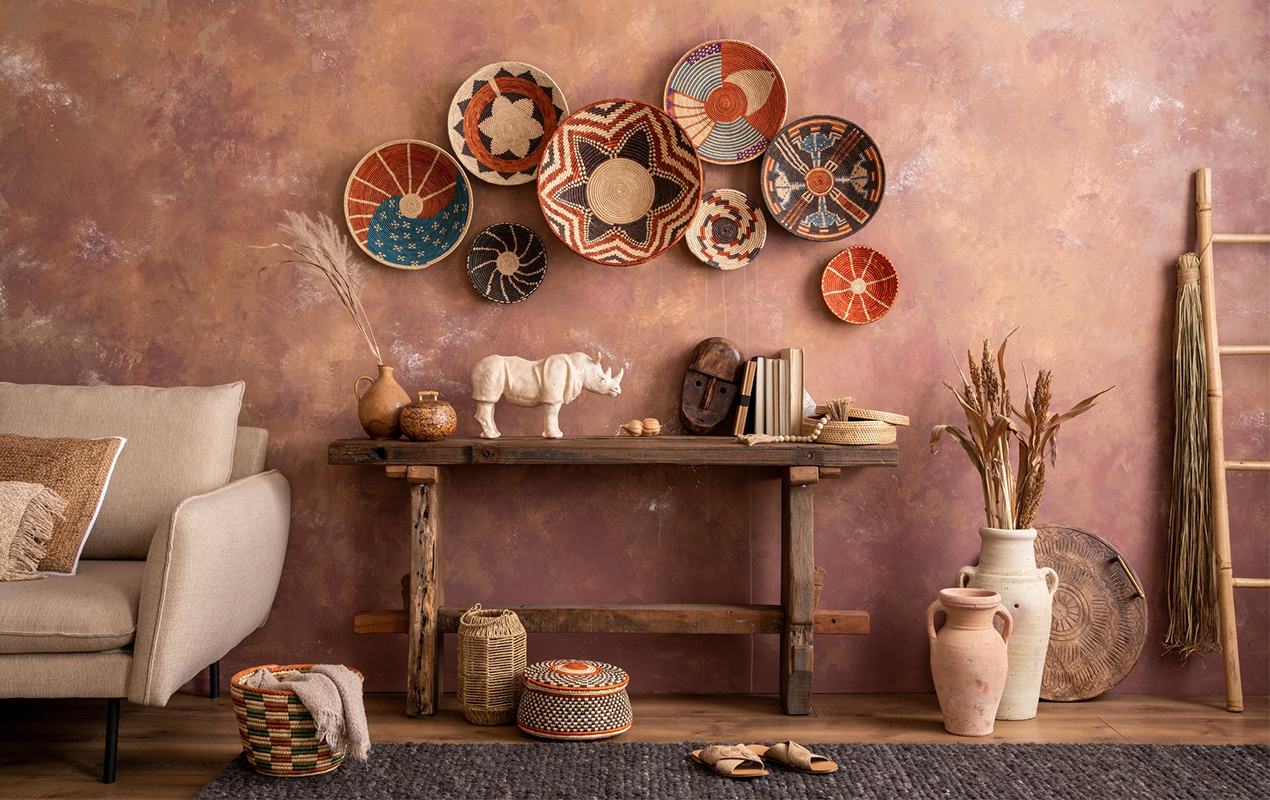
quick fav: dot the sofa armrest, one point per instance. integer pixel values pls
(210, 580)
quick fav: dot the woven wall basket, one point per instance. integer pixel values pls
(491, 665)
(862, 432)
(277, 731)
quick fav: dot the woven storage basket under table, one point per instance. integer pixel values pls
(580, 700)
(277, 731)
(491, 665)
(850, 432)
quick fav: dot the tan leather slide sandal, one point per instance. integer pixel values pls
(795, 756)
(731, 760)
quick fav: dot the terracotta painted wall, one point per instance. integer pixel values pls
(1038, 154)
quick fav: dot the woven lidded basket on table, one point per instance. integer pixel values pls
(850, 432)
(491, 665)
(277, 731)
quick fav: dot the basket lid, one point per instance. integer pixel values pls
(577, 675)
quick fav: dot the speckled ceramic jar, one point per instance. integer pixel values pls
(431, 419)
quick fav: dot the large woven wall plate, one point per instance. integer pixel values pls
(1099, 624)
(822, 178)
(730, 98)
(619, 182)
(728, 230)
(501, 118)
(407, 204)
(859, 285)
(506, 262)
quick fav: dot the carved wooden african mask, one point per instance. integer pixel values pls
(711, 384)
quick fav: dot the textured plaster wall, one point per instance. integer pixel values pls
(1038, 159)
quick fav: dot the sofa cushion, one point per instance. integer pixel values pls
(91, 611)
(180, 443)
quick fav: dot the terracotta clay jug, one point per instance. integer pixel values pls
(379, 407)
(1007, 566)
(968, 658)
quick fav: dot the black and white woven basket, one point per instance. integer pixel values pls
(581, 700)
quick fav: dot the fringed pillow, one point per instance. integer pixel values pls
(27, 514)
(79, 471)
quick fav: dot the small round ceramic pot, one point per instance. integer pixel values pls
(431, 419)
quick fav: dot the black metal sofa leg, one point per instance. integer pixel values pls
(213, 677)
(112, 740)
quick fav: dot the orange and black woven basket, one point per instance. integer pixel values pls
(278, 733)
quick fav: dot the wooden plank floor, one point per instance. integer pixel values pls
(53, 749)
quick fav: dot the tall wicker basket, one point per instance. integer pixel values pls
(491, 665)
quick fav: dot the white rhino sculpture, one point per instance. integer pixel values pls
(550, 382)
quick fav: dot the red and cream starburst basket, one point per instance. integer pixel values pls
(574, 699)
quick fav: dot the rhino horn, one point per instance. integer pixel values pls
(620, 373)
(608, 373)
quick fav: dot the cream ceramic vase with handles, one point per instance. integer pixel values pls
(1007, 566)
(968, 660)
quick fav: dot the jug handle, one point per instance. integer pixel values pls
(1005, 616)
(930, 619)
(357, 384)
(965, 575)
(1046, 574)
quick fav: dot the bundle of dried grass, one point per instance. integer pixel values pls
(1010, 498)
(1192, 588)
(318, 243)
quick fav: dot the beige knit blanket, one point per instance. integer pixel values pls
(27, 512)
(332, 693)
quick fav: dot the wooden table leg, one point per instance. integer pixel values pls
(797, 588)
(423, 666)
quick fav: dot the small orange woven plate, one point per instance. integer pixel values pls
(859, 285)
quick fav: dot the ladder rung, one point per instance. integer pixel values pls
(1249, 466)
(1244, 349)
(1241, 237)
(1251, 583)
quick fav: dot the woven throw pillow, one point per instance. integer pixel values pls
(28, 512)
(76, 469)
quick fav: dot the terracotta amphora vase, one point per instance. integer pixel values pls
(1007, 566)
(968, 658)
(379, 407)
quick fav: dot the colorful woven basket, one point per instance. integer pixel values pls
(619, 182)
(859, 285)
(566, 699)
(501, 118)
(822, 178)
(408, 204)
(730, 98)
(728, 231)
(277, 731)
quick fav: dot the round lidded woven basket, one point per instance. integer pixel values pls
(491, 665)
(852, 432)
(575, 700)
(278, 733)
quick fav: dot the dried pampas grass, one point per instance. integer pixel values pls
(993, 423)
(319, 244)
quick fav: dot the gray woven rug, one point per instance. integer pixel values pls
(661, 772)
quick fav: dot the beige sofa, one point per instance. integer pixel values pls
(182, 563)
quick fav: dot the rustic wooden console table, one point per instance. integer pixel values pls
(425, 620)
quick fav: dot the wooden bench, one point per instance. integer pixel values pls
(796, 619)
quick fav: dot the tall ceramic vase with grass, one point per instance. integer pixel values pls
(318, 245)
(996, 428)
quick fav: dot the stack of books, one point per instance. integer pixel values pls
(771, 399)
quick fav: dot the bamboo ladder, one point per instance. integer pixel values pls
(1226, 582)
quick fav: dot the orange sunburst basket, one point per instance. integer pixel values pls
(859, 285)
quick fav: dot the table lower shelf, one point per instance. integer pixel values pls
(690, 618)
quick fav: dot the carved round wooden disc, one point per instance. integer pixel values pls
(1100, 616)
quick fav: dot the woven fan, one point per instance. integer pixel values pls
(859, 285)
(407, 204)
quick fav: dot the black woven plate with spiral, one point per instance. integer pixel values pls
(506, 262)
